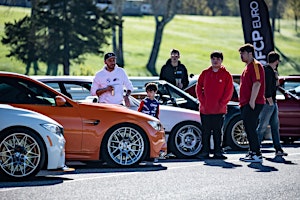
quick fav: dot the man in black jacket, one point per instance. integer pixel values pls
(269, 113)
(174, 71)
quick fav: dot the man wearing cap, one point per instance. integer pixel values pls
(269, 113)
(109, 82)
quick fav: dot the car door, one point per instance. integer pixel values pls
(289, 114)
(30, 95)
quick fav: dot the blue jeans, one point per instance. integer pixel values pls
(269, 116)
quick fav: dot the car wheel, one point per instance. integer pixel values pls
(22, 153)
(185, 140)
(236, 137)
(124, 145)
(288, 140)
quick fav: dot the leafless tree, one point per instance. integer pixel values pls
(163, 11)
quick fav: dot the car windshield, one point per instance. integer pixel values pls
(20, 91)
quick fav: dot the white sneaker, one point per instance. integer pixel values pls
(252, 158)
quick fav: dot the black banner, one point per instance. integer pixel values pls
(257, 28)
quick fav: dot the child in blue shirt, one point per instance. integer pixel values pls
(149, 105)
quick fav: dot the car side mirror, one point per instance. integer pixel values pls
(60, 101)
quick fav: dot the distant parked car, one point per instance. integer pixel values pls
(182, 126)
(288, 106)
(112, 133)
(29, 142)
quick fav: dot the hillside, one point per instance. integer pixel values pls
(194, 36)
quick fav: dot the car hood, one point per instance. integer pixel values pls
(12, 114)
(117, 109)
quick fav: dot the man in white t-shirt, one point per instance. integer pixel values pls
(109, 82)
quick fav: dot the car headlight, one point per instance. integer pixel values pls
(156, 125)
(53, 128)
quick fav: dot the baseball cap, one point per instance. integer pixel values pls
(273, 56)
(109, 55)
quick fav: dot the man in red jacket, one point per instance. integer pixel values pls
(214, 90)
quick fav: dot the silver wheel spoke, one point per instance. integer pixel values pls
(188, 140)
(20, 154)
(125, 146)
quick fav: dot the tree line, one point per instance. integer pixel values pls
(60, 31)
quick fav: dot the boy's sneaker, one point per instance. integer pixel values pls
(280, 153)
(252, 158)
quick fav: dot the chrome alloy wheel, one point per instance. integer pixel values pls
(239, 135)
(20, 155)
(188, 140)
(126, 146)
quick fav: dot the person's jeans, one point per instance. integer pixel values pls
(212, 124)
(269, 116)
(250, 120)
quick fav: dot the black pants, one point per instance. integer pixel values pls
(212, 124)
(250, 120)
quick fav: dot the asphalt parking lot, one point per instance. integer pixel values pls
(275, 178)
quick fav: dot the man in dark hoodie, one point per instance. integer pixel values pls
(214, 90)
(174, 71)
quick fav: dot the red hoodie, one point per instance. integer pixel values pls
(214, 90)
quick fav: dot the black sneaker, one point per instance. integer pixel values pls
(246, 156)
(280, 153)
(203, 156)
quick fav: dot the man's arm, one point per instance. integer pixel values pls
(254, 92)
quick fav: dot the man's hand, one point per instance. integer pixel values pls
(252, 104)
(109, 88)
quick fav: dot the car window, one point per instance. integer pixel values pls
(77, 91)
(55, 86)
(288, 85)
(19, 91)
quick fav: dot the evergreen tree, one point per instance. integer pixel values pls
(64, 31)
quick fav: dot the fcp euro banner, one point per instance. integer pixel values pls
(257, 28)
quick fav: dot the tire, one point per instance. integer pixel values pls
(185, 140)
(22, 154)
(124, 145)
(236, 137)
(288, 140)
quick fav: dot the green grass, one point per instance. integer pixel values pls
(194, 36)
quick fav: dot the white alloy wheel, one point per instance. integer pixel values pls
(124, 146)
(186, 140)
(21, 154)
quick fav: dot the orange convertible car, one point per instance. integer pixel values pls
(112, 133)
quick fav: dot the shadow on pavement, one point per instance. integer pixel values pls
(262, 168)
(280, 159)
(220, 163)
(33, 182)
(45, 177)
